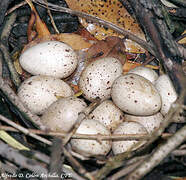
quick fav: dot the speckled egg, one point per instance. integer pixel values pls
(51, 58)
(135, 95)
(151, 123)
(39, 92)
(89, 147)
(108, 114)
(146, 72)
(168, 94)
(62, 114)
(97, 78)
(128, 128)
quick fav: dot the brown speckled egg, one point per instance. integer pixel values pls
(151, 123)
(108, 114)
(89, 147)
(135, 95)
(146, 72)
(128, 128)
(168, 94)
(62, 114)
(39, 92)
(97, 78)
(51, 58)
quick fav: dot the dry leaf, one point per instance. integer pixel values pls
(76, 41)
(40, 26)
(112, 46)
(131, 65)
(86, 34)
(112, 11)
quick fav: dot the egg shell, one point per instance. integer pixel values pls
(62, 114)
(151, 123)
(166, 90)
(89, 147)
(51, 58)
(146, 72)
(97, 78)
(39, 92)
(108, 114)
(128, 128)
(135, 95)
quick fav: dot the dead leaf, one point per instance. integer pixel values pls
(112, 46)
(131, 65)
(40, 26)
(112, 11)
(76, 41)
(86, 34)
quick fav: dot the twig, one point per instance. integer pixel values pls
(14, 75)
(9, 22)
(77, 165)
(127, 169)
(69, 171)
(14, 99)
(56, 159)
(179, 152)
(24, 130)
(15, 7)
(98, 137)
(4, 48)
(15, 156)
(51, 18)
(8, 168)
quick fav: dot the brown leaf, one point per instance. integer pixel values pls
(40, 26)
(112, 46)
(112, 11)
(131, 65)
(76, 41)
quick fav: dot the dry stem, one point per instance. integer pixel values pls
(4, 48)
(51, 18)
(98, 137)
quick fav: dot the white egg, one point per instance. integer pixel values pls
(135, 95)
(39, 92)
(119, 146)
(108, 114)
(62, 114)
(97, 78)
(146, 72)
(89, 147)
(168, 94)
(51, 58)
(151, 123)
